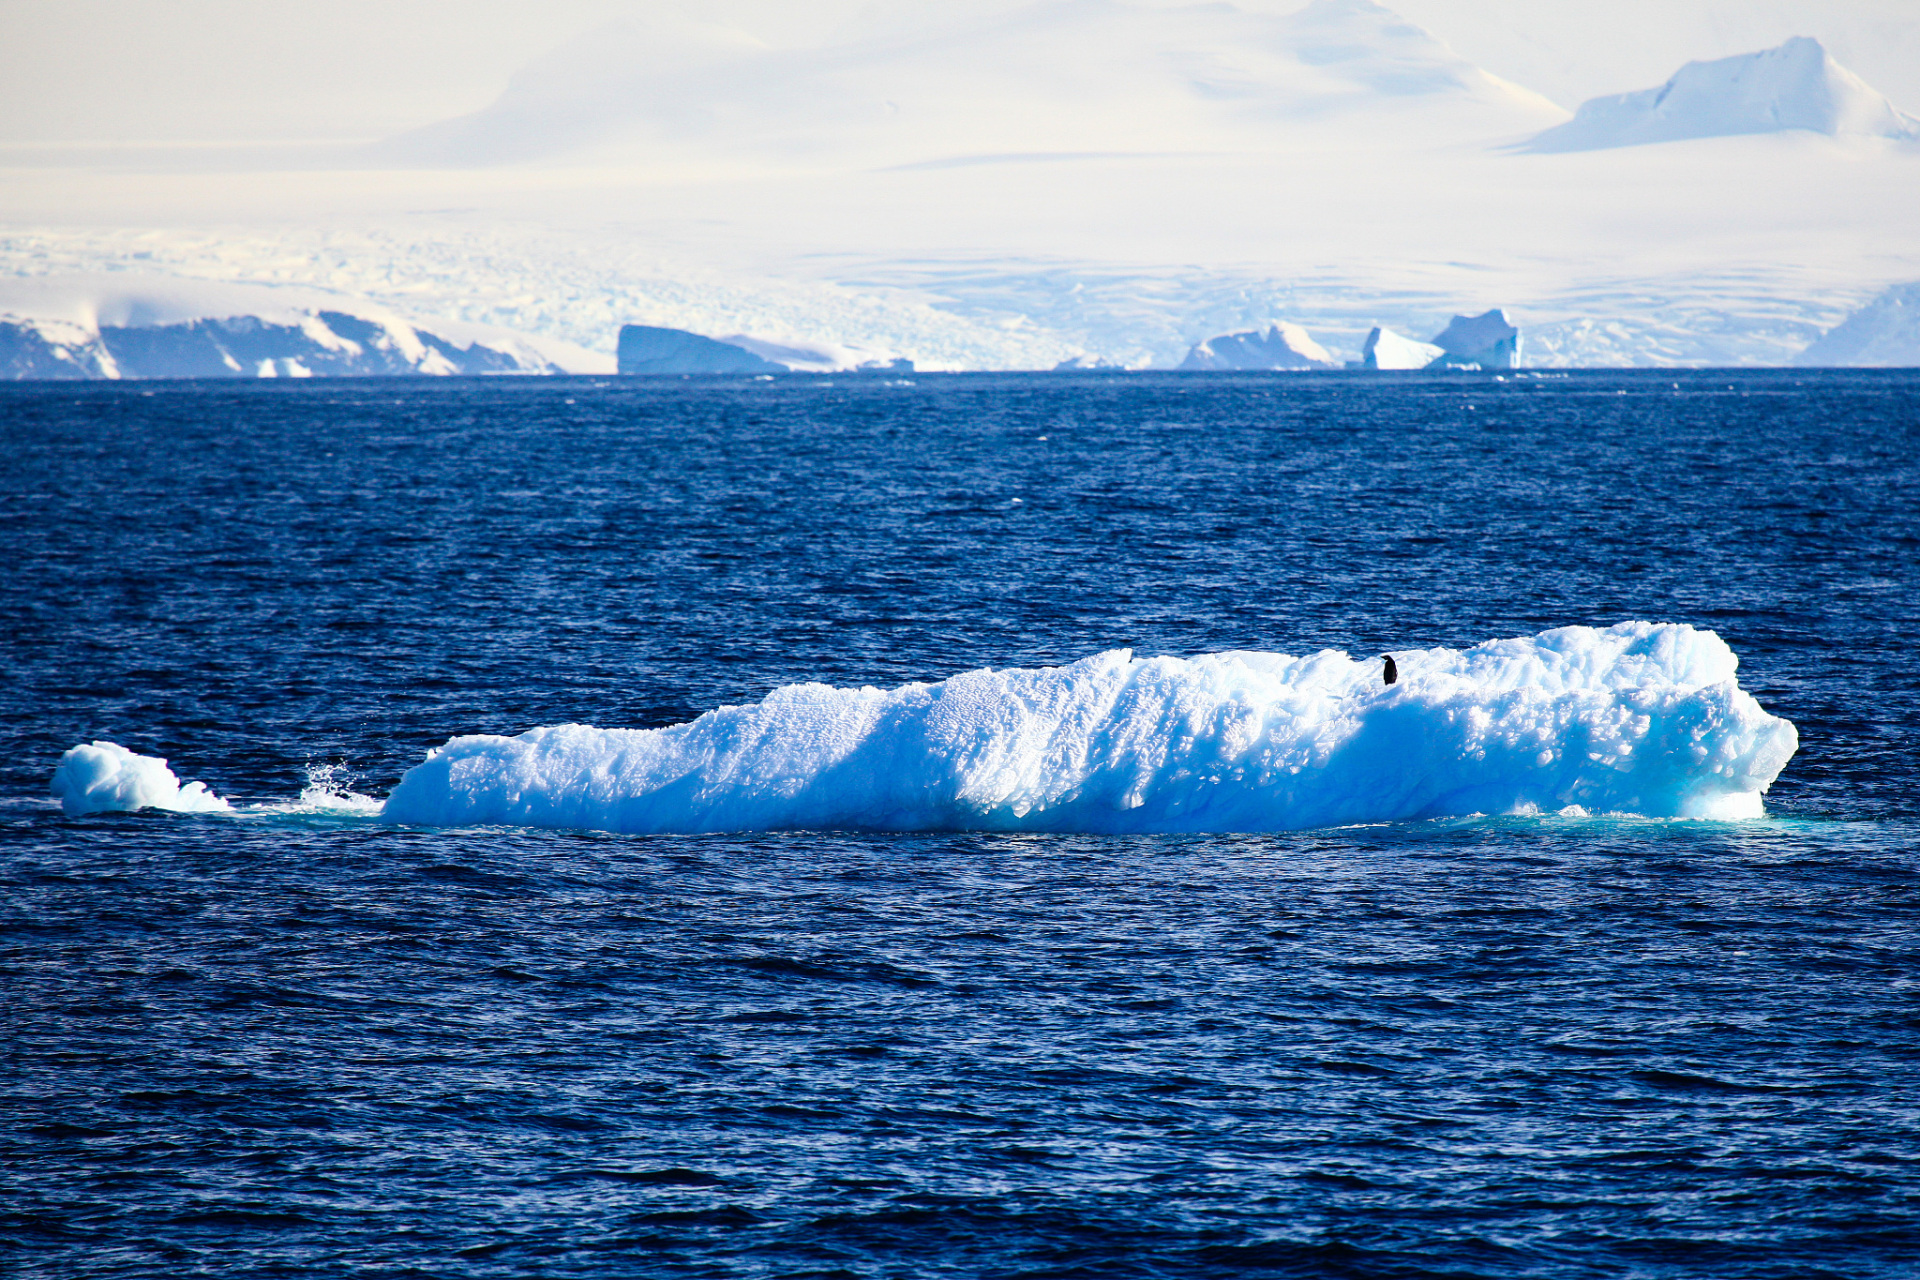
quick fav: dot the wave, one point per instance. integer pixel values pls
(1640, 718)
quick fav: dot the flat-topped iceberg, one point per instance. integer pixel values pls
(1638, 718)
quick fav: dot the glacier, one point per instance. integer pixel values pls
(112, 325)
(1637, 718)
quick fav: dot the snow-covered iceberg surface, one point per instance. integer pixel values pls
(114, 325)
(1638, 718)
(1797, 85)
(1883, 334)
(105, 777)
(1282, 346)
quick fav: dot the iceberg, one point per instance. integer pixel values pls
(1883, 334)
(1386, 349)
(105, 777)
(1638, 718)
(1796, 85)
(1489, 341)
(1282, 346)
(114, 325)
(650, 349)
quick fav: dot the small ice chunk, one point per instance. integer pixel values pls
(105, 777)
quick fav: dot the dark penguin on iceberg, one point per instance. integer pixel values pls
(1392, 672)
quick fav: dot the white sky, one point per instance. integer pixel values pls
(230, 70)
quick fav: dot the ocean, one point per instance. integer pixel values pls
(296, 1040)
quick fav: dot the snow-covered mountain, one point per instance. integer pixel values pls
(1004, 184)
(1059, 77)
(1883, 334)
(113, 325)
(1795, 86)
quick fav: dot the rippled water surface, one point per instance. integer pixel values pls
(285, 1044)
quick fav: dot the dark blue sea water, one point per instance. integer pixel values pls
(1498, 1047)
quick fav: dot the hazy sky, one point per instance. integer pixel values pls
(115, 70)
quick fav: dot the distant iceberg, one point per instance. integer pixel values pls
(123, 325)
(652, 350)
(1795, 86)
(1386, 349)
(1282, 346)
(1489, 341)
(1884, 333)
(649, 349)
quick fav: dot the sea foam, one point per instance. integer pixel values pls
(1638, 718)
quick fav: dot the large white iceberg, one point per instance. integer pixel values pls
(1797, 85)
(1638, 718)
